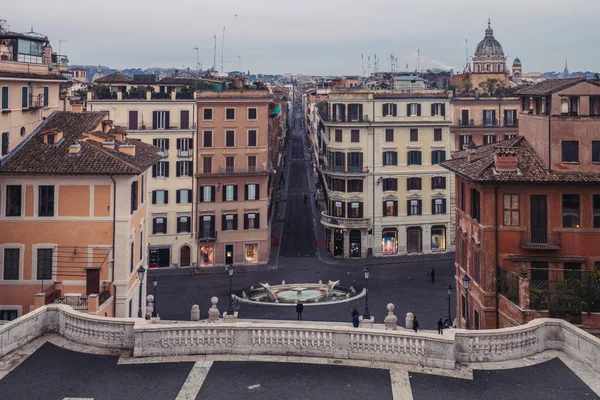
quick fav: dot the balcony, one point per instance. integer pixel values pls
(257, 170)
(339, 222)
(511, 123)
(541, 241)
(206, 236)
(490, 122)
(345, 118)
(466, 123)
(350, 169)
(184, 153)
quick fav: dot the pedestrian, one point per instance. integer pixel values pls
(446, 323)
(305, 198)
(299, 309)
(432, 274)
(415, 324)
(440, 325)
(355, 319)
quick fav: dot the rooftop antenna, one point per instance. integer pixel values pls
(198, 67)
(362, 61)
(376, 64)
(215, 53)
(239, 63)
(222, 47)
(369, 64)
(418, 60)
(467, 64)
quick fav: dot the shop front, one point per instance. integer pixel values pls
(438, 238)
(355, 243)
(389, 241)
(414, 239)
(251, 253)
(207, 256)
(338, 242)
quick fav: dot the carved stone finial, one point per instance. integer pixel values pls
(195, 314)
(391, 321)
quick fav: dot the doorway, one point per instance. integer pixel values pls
(414, 239)
(92, 281)
(228, 254)
(355, 243)
(539, 219)
(185, 256)
(338, 242)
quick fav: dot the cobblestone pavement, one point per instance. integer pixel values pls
(53, 372)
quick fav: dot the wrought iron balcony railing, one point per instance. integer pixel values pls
(541, 240)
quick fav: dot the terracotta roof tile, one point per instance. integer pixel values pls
(549, 86)
(27, 75)
(116, 77)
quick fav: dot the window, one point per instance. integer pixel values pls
(390, 184)
(162, 144)
(595, 151)
(207, 114)
(11, 264)
(414, 135)
(251, 163)
(207, 142)
(414, 207)
(4, 97)
(13, 200)
(511, 210)
(438, 110)
(207, 165)
(510, 118)
(252, 114)
(489, 139)
(570, 210)
(184, 168)
(230, 193)
(184, 119)
(475, 206)
(229, 138)
(438, 206)
(46, 201)
(230, 114)
(252, 221)
(46, 96)
(160, 169)
(437, 134)
(4, 150)
(142, 193)
(509, 136)
(438, 156)
(183, 146)
(338, 185)
(355, 162)
(463, 253)
(463, 194)
(160, 197)
(390, 208)
(355, 136)
(390, 109)
(207, 194)
(413, 110)
(251, 253)
(134, 196)
(355, 210)
(476, 267)
(183, 224)
(252, 138)
(570, 151)
(463, 300)
(51, 138)
(132, 257)
(160, 119)
(465, 140)
(489, 118)
(414, 158)
(229, 222)
(252, 191)
(572, 270)
(355, 112)
(44, 264)
(355, 186)
(389, 135)
(159, 225)
(338, 209)
(133, 120)
(413, 184)
(390, 158)
(24, 97)
(183, 196)
(338, 135)
(596, 202)
(438, 182)
(230, 164)
(338, 161)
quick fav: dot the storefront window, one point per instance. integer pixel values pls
(251, 253)
(355, 243)
(389, 241)
(207, 256)
(328, 239)
(438, 238)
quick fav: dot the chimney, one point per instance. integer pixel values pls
(106, 125)
(506, 159)
(74, 148)
(471, 148)
(109, 144)
(127, 149)
(173, 94)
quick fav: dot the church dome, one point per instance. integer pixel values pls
(517, 61)
(489, 46)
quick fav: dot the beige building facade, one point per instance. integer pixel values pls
(386, 193)
(233, 174)
(170, 125)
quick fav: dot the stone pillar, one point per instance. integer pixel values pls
(213, 311)
(39, 300)
(90, 94)
(93, 303)
(149, 306)
(195, 316)
(524, 293)
(408, 321)
(391, 320)
(148, 93)
(366, 323)
(173, 94)
(230, 317)
(120, 93)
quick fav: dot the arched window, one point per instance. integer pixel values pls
(22, 131)
(185, 256)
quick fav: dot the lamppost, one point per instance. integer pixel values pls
(141, 270)
(466, 280)
(229, 269)
(366, 315)
(155, 283)
(449, 309)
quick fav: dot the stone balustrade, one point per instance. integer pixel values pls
(287, 338)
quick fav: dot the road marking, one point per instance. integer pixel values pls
(192, 385)
(400, 385)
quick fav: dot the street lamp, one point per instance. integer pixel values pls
(229, 270)
(155, 283)
(449, 309)
(141, 271)
(466, 280)
(366, 315)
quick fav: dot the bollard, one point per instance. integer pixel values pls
(409, 320)
(390, 320)
(195, 313)
(213, 311)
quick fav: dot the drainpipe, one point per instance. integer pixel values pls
(373, 229)
(497, 258)
(549, 111)
(195, 138)
(113, 245)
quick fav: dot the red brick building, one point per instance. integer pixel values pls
(528, 213)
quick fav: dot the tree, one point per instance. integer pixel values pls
(496, 88)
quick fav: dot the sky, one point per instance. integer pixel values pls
(320, 37)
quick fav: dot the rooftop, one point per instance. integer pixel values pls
(550, 86)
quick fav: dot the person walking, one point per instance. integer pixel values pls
(299, 309)
(415, 324)
(355, 319)
(305, 198)
(432, 275)
(440, 325)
